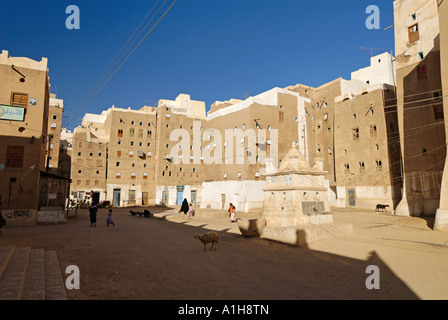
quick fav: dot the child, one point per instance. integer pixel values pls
(190, 211)
(109, 219)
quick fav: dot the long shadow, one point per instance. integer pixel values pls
(154, 259)
(254, 268)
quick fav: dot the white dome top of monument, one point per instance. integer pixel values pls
(294, 160)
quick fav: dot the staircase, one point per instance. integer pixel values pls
(30, 274)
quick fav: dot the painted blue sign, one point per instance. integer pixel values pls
(12, 113)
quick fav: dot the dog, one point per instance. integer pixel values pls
(208, 237)
(145, 213)
(381, 206)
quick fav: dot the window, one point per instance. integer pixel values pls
(413, 33)
(355, 132)
(420, 56)
(131, 132)
(145, 175)
(361, 166)
(438, 111)
(132, 122)
(379, 165)
(118, 175)
(14, 156)
(373, 131)
(117, 164)
(424, 152)
(281, 116)
(131, 154)
(347, 167)
(120, 133)
(19, 99)
(79, 154)
(133, 175)
(421, 73)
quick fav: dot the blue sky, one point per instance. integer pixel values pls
(210, 49)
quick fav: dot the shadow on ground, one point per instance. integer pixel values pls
(151, 258)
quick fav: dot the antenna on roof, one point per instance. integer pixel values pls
(371, 49)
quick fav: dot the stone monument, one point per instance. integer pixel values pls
(296, 208)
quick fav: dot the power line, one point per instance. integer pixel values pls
(149, 32)
(95, 85)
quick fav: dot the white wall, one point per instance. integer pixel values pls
(381, 70)
(245, 195)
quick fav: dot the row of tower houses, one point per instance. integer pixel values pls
(161, 155)
(380, 136)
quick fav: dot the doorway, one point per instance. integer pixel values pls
(145, 198)
(116, 198)
(165, 197)
(95, 197)
(351, 197)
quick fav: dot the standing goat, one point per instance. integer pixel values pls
(208, 237)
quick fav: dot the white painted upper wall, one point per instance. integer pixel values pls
(268, 98)
(184, 105)
(381, 70)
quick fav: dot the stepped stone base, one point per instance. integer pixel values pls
(305, 234)
(30, 274)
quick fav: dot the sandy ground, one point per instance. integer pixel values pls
(159, 258)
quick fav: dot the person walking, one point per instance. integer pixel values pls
(93, 210)
(232, 213)
(184, 208)
(2, 219)
(109, 219)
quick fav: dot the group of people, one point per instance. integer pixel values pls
(93, 210)
(187, 209)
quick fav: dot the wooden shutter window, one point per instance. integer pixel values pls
(14, 156)
(19, 99)
(413, 33)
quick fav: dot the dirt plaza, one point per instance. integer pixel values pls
(158, 258)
